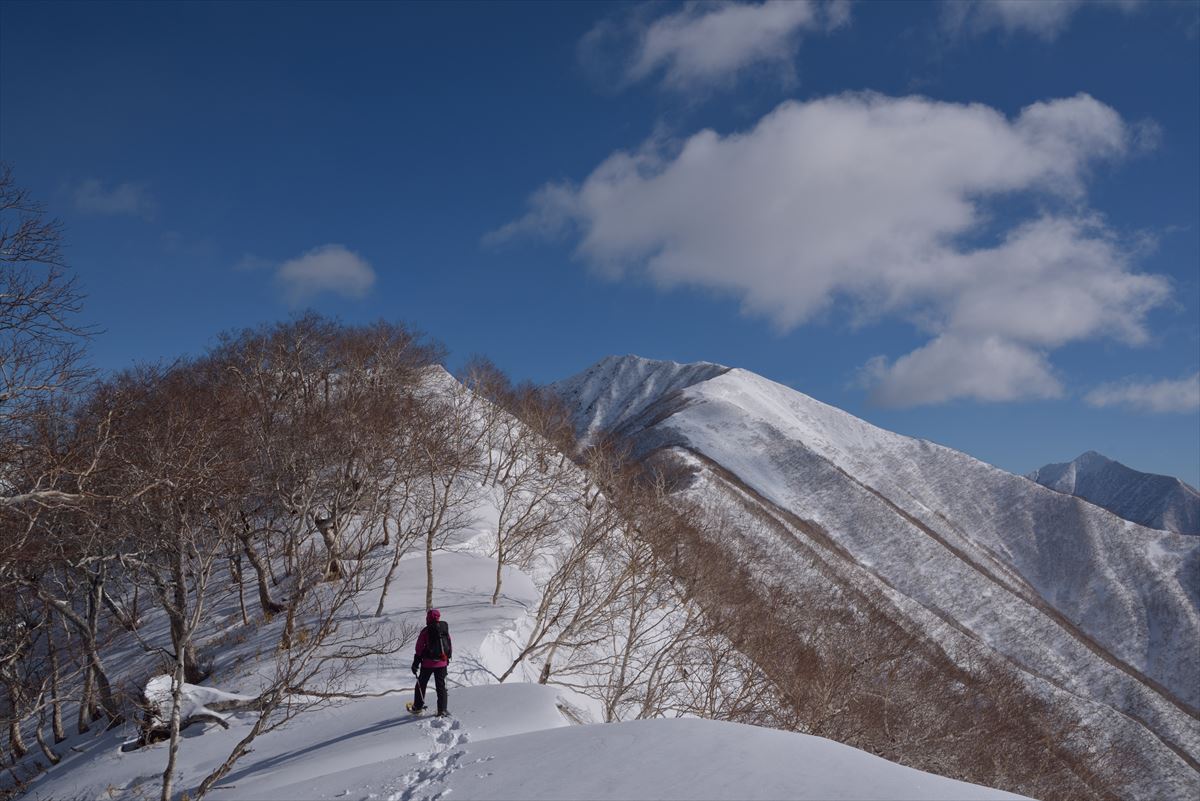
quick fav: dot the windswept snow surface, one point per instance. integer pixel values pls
(1100, 611)
(1162, 502)
(648, 759)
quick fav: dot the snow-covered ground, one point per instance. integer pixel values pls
(503, 740)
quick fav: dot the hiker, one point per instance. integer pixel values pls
(432, 656)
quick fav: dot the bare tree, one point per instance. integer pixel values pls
(40, 350)
(527, 477)
(448, 453)
(324, 407)
(319, 667)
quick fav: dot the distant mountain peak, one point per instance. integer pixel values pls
(618, 389)
(1149, 499)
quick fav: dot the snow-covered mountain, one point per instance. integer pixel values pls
(1095, 611)
(1152, 500)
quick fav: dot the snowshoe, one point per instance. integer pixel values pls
(409, 706)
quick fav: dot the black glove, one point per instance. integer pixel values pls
(416, 666)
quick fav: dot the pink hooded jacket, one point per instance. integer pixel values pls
(431, 617)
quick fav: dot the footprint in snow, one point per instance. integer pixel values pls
(440, 763)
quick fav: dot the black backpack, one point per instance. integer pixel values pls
(437, 641)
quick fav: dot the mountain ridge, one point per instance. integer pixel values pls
(1052, 583)
(1149, 499)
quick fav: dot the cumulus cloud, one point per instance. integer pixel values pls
(707, 43)
(130, 199)
(328, 268)
(1149, 396)
(947, 368)
(1042, 18)
(878, 207)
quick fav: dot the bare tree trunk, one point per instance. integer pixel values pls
(47, 751)
(235, 568)
(289, 626)
(173, 751)
(56, 719)
(548, 665)
(289, 557)
(499, 567)
(87, 707)
(240, 750)
(177, 615)
(16, 742)
(185, 649)
(535, 641)
(332, 539)
(429, 569)
(107, 701)
(269, 606)
(387, 580)
(120, 615)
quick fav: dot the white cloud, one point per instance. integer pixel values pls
(1150, 396)
(707, 43)
(328, 268)
(881, 203)
(123, 199)
(948, 367)
(1042, 18)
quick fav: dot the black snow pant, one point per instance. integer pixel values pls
(439, 680)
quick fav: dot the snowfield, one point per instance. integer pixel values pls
(503, 741)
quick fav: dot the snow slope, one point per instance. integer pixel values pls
(1101, 611)
(689, 759)
(1151, 500)
(504, 740)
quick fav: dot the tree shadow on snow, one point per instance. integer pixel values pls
(282, 759)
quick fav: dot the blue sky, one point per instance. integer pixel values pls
(973, 223)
